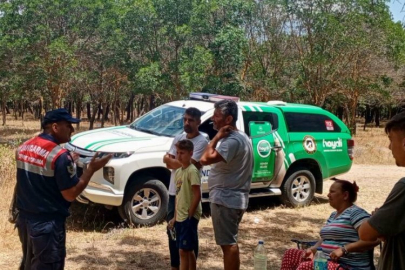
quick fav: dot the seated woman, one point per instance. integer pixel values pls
(339, 237)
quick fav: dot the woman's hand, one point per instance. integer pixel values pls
(336, 254)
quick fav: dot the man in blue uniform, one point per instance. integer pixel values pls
(46, 185)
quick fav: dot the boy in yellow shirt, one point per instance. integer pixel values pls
(188, 205)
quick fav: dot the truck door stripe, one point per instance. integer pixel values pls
(251, 108)
(246, 108)
(258, 108)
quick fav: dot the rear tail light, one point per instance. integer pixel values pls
(350, 148)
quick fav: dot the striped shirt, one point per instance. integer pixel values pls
(342, 230)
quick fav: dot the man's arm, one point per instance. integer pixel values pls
(171, 162)
(94, 165)
(211, 155)
(368, 233)
(386, 222)
(196, 200)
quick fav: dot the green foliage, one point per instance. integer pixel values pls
(307, 51)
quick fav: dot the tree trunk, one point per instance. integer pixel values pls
(107, 112)
(93, 116)
(22, 109)
(41, 111)
(115, 112)
(104, 114)
(100, 111)
(351, 115)
(88, 106)
(340, 111)
(78, 111)
(130, 107)
(151, 102)
(4, 111)
(69, 105)
(15, 110)
(377, 117)
(368, 117)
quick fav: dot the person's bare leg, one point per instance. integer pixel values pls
(184, 259)
(231, 257)
(192, 261)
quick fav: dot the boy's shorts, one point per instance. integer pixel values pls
(187, 234)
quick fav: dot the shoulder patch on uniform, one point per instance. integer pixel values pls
(71, 168)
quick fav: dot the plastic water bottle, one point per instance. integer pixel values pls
(260, 257)
(320, 260)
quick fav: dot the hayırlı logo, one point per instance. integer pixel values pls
(332, 145)
(263, 148)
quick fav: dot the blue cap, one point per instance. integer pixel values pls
(318, 248)
(261, 242)
(57, 116)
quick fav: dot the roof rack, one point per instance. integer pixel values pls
(277, 102)
(211, 97)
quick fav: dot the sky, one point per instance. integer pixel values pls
(396, 10)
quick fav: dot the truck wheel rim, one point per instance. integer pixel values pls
(301, 188)
(146, 203)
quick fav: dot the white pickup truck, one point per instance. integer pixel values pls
(289, 160)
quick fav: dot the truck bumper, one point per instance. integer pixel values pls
(101, 194)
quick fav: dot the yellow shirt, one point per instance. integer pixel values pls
(185, 178)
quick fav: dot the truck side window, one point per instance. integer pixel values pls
(259, 116)
(308, 122)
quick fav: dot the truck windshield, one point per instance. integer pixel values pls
(165, 120)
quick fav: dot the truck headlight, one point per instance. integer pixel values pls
(118, 155)
(108, 173)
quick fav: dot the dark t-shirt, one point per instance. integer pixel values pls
(39, 196)
(389, 221)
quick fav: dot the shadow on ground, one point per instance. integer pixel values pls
(119, 259)
(262, 203)
(93, 218)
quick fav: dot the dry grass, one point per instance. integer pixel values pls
(97, 240)
(371, 147)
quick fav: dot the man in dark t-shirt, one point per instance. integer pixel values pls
(388, 222)
(46, 185)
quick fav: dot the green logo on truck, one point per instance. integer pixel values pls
(263, 148)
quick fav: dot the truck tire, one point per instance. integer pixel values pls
(145, 202)
(299, 188)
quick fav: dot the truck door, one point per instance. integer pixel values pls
(264, 156)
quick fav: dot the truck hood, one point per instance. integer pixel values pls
(117, 139)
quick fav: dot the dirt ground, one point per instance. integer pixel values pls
(96, 239)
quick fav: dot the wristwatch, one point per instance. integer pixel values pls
(345, 252)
